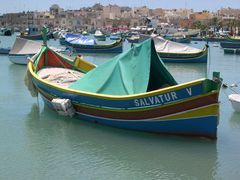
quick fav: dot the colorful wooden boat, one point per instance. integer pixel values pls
(231, 42)
(233, 39)
(133, 90)
(83, 44)
(34, 37)
(33, 33)
(114, 47)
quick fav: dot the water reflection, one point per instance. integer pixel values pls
(187, 72)
(72, 148)
(235, 120)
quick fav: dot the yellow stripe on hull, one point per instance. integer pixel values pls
(210, 110)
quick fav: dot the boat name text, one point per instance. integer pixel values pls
(160, 99)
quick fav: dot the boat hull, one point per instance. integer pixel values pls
(101, 38)
(108, 48)
(185, 58)
(35, 37)
(205, 126)
(230, 45)
(20, 59)
(194, 116)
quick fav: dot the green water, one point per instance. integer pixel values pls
(36, 143)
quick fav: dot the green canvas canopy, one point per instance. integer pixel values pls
(137, 70)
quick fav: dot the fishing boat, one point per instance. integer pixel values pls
(100, 36)
(233, 38)
(231, 42)
(230, 45)
(133, 90)
(133, 39)
(173, 52)
(33, 33)
(83, 44)
(23, 49)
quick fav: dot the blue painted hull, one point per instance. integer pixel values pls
(4, 50)
(179, 59)
(232, 45)
(194, 126)
(117, 49)
(202, 126)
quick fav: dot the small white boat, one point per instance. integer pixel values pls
(235, 100)
(23, 49)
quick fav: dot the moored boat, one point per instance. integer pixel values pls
(173, 52)
(231, 42)
(134, 90)
(133, 39)
(34, 34)
(235, 101)
(83, 44)
(23, 49)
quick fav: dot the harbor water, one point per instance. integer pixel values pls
(37, 143)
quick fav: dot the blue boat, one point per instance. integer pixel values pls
(83, 44)
(173, 52)
(231, 42)
(129, 91)
(33, 33)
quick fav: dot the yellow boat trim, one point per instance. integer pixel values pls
(104, 96)
(138, 109)
(211, 110)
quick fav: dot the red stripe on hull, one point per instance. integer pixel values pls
(146, 113)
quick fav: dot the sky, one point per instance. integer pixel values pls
(41, 5)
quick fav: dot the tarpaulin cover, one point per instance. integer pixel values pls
(137, 70)
(166, 46)
(24, 46)
(79, 39)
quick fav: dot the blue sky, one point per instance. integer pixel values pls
(197, 5)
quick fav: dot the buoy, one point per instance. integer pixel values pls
(63, 107)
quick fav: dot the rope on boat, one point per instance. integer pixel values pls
(209, 61)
